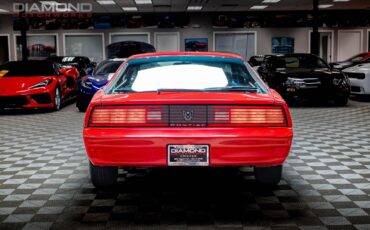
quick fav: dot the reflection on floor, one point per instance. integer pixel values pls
(326, 183)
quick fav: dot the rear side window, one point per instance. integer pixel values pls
(28, 68)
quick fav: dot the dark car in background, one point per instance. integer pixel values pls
(256, 60)
(355, 60)
(89, 85)
(299, 77)
(128, 48)
(80, 62)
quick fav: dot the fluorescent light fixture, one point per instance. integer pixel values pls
(129, 8)
(341, 0)
(324, 6)
(143, 2)
(3, 11)
(195, 7)
(106, 2)
(258, 7)
(270, 1)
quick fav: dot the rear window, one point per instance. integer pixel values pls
(28, 68)
(186, 74)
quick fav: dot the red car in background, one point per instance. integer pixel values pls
(36, 84)
(186, 109)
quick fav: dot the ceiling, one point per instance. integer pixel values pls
(6, 6)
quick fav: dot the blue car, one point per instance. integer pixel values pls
(96, 80)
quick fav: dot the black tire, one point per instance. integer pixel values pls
(103, 177)
(57, 99)
(341, 101)
(269, 176)
(82, 106)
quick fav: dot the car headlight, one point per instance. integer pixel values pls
(42, 84)
(86, 84)
(295, 82)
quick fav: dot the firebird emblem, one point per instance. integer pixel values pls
(188, 115)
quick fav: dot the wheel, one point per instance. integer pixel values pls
(81, 105)
(340, 101)
(103, 176)
(57, 99)
(269, 176)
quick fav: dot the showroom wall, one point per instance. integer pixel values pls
(201, 27)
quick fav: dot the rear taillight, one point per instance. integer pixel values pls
(129, 116)
(247, 116)
(188, 116)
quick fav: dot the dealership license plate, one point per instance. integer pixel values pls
(188, 155)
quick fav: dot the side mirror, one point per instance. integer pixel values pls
(90, 71)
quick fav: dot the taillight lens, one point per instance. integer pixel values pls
(247, 116)
(129, 116)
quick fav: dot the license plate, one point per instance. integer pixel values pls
(188, 155)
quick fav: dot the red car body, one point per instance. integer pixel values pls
(147, 146)
(19, 91)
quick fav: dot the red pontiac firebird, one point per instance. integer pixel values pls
(186, 109)
(36, 84)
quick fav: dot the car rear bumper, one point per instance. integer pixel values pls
(148, 146)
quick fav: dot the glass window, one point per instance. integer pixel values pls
(38, 46)
(107, 67)
(190, 75)
(129, 37)
(81, 45)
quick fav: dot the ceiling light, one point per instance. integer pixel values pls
(129, 8)
(258, 7)
(106, 2)
(270, 1)
(195, 7)
(3, 11)
(341, 0)
(324, 6)
(143, 2)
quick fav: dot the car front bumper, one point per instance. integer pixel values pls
(360, 86)
(148, 146)
(37, 98)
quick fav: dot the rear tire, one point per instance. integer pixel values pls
(103, 177)
(268, 176)
(341, 101)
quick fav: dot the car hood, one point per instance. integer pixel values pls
(362, 68)
(342, 65)
(308, 73)
(13, 85)
(187, 98)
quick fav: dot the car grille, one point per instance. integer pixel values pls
(43, 98)
(188, 115)
(356, 75)
(13, 101)
(312, 82)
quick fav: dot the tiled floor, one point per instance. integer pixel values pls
(44, 181)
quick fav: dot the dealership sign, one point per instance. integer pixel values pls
(52, 9)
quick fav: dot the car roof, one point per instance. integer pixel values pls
(204, 54)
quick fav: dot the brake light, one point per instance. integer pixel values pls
(128, 116)
(247, 116)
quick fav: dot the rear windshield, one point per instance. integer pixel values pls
(178, 75)
(107, 67)
(300, 62)
(28, 68)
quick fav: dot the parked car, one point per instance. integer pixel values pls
(215, 111)
(128, 48)
(355, 60)
(88, 86)
(80, 62)
(305, 77)
(36, 84)
(359, 76)
(256, 60)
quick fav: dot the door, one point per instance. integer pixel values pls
(237, 43)
(326, 45)
(349, 44)
(4, 49)
(167, 41)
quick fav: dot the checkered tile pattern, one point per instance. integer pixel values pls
(44, 180)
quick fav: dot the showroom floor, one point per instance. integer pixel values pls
(44, 180)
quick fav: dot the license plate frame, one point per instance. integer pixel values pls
(188, 155)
